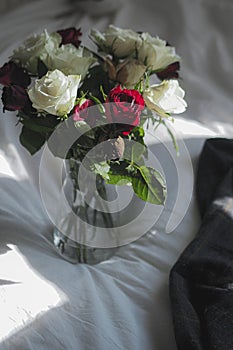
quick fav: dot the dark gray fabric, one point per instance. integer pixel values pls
(201, 282)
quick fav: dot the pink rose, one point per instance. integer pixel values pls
(82, 112)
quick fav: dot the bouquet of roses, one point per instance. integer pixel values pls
(107, 94)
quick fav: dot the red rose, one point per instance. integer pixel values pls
(124, 107)
(70, 36)
(15, 98)
(171, 72)
(84, 113)
(11, 74)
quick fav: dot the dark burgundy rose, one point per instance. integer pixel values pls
(11, 74)
(70, 36)
(15, 98)
(171, 72)
(124, 107)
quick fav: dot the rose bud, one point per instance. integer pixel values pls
(130, 72)
(111, 69)
(115, 148)
(124, 108)
(70, 36)
(15, 98)
(11, 74)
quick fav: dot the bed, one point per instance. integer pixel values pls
(122, 303)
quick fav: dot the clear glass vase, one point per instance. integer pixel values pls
(85, 229)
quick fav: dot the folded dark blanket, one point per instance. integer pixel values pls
(201, 282)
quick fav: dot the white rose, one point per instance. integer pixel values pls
(154, 53)
(35, 46)
(165, 98)
(55, 93)
(119, 42)
(69, 60)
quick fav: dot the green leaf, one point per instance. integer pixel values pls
(102, 169)
(134, 151)
(31, 140)
(149, 185)
(45, 123)
(38, 125)
(138, 131)
(119, 174)
(114, 179)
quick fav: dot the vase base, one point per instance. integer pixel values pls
(79, 253)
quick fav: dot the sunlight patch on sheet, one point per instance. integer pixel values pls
(181, 128)
(12, 164)
(24, 298)
(5, 167)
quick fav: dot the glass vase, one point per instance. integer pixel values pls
(85, 229)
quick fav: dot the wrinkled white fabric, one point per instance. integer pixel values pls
(123, 303)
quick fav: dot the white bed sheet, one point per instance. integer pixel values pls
(123, 303)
